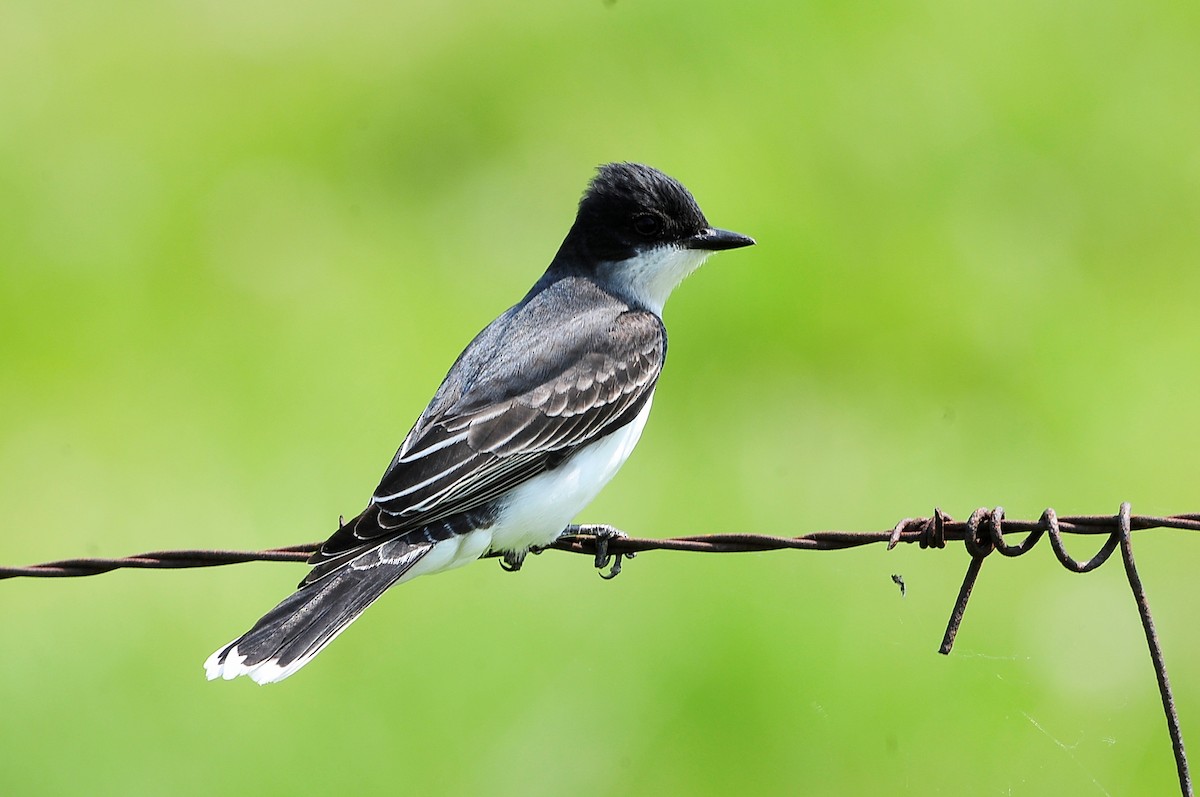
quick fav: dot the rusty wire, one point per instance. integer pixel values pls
(984, 532)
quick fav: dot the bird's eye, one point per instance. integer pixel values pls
(647, 224)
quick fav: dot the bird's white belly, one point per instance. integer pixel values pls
(536, 512)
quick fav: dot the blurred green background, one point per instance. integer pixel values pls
(240, 243)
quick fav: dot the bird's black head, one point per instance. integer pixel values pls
(638, 234)
(629, 208)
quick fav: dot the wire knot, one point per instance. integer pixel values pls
(982, 538)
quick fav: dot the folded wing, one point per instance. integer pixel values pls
(519, 416)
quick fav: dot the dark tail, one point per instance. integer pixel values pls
(288, 636)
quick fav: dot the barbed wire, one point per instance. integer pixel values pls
(984, 532)
(927, 532)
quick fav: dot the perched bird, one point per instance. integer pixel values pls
(533, 419)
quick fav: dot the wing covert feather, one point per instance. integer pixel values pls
(514, 420)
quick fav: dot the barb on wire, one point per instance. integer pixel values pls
(982, 533)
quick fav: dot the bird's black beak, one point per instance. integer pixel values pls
(714, 240)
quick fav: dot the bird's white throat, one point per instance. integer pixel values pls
(650, 276)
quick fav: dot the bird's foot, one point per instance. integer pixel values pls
(511, 561)
(603, 534)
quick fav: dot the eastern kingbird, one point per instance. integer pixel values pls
(533, 419)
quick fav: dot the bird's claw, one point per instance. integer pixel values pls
(511, 561)
(616, 566)
(603, 534)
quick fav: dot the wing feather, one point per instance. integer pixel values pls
(513, 420)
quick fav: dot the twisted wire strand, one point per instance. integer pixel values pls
(158, 560)
(982, 533)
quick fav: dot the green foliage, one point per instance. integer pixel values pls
(241, 242)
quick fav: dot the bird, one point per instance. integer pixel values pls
(534, 417)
